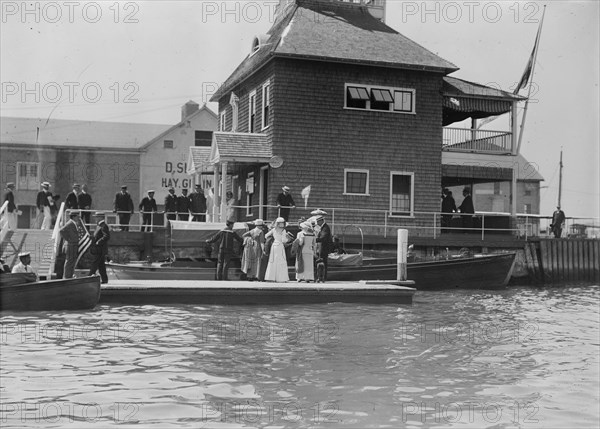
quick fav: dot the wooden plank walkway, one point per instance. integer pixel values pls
(143, 292)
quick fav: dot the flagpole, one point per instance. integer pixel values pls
(539, 36)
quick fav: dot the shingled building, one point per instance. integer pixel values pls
(334, 99)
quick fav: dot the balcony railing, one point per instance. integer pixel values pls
(470, 140)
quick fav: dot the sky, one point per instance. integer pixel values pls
(140, 61)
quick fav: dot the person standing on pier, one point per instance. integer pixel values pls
(448, 206)
(100, 250)
(123, 206)
(70, 234)
(277, 270)
(224, 240)
(45, 204)
(148, 208)
(558, 220)
(325, 241)
(71, 202)
(84, 201)
(467, 207)
(183, 205)
(171, 205)
(198, 207)
(285, 202)
(11, 209)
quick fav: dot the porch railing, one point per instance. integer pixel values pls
(470, 140)
(348, 221)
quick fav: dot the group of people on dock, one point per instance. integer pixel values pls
(265, 249)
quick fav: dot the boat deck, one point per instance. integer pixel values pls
(142, 292)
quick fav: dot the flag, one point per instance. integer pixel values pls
(529, 67)
(85, 240)
(305, 194)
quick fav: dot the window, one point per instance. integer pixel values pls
(168, 144)
(527, 209)
(266, 104)
(203, 138)
(403, 101)
(380, 98)
(251, 111)
(356, 97)
(356, 182)
(28, 176)
(401, 194)
(233, 102)
(223, 118)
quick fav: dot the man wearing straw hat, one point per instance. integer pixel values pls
(70, 234)
(325, 241)
(285, 202)
(24, 265)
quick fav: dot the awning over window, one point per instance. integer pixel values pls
(358, 93)
(382, 95)
(463, 99)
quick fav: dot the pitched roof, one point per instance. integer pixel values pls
(240, 147)
(340, 32)
(198, 159)
(203, 109)
(73, 133)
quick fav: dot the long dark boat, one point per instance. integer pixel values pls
(20, 292)
(491, 271)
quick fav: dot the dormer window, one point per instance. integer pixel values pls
(258, 42)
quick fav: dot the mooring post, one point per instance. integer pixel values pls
(402, 254)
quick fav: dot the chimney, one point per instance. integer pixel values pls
(188, 109)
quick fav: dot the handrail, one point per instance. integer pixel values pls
(56, 238)
(3, 221)
(522, 225)
(362, 239)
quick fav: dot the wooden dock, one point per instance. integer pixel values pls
(143, 292)
(563, 260)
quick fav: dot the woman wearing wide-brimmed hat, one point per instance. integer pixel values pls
(254, 241)
(305, 257)
(277, 270)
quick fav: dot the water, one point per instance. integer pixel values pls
(523, 357)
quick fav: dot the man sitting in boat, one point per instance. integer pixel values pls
(24, 265)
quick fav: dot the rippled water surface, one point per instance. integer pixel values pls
(518, 358)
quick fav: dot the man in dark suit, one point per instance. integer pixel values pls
(325, 241)
(467, 207)
(198, 204)
(558, 219)
(100, 250)
(448, 206)
(70, 234)
(123, 205)
(183, 205)
(171, 205)
(224, 240)
(148, 208)
(285, 202)
(84, 201)
(71, 203)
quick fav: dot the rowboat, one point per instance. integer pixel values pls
(492, 271)
(20, 292)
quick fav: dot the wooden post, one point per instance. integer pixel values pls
(402, 254)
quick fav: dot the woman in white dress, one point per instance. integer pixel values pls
(277, 270)
(305, 268)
